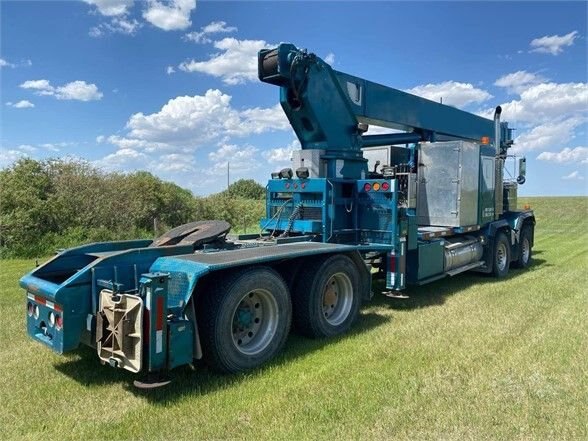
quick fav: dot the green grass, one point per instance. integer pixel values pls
(464, 358)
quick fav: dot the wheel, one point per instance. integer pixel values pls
(245, 320)
(327, 298)
(524, 259)
(501, 255)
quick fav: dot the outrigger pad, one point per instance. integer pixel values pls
(193, 233)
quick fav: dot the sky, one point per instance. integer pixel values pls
(171, 87)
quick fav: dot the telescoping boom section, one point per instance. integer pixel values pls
(424, 202)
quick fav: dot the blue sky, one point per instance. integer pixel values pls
(171, 87)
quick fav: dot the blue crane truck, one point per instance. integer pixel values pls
(424, 202)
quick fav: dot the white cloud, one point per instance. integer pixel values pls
(518, 82)
(55, 147)
(4, 63)
(330, 58)
(22, 104)
(23, 63)
(27, 148)
(123, 159)
(553, 44)
(170, 70)
(76, 90)
(236, 64)
(117, 25)
(171, 16)
(37, 84)
(8, 157)
(240, 159)
(567, 155)
(194, 121)
(575, 175)
(132, 143)
(215, 27)
(111, 8)
(545, 102)
(452, 92)
(547, 135)
(259, 120)
(281, 155)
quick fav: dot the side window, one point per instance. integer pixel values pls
(488, 173)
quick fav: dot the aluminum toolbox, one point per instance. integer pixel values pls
(448, 181)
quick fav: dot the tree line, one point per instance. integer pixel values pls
(52, 204)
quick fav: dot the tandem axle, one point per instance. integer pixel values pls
(410, 207)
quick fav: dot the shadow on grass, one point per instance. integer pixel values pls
(84, 367)
(435, 293)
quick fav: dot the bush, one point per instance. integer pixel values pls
(52, 204)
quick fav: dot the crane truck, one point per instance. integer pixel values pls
(422, 203)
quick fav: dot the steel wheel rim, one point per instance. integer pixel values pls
(525, 250)
(254, 322)
(337, 299)
(501, 256)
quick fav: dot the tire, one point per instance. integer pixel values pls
(525, 251)
(501, 255)
(245, 320)
(327, 297)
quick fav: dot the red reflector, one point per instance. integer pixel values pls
(59, 322)
(159, 317)
(385, 186)
(367, 186)
(392, 264)
(40, 300)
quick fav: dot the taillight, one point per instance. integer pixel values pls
(30, 309)
(58, 322)
(376, 186)
(385, 186)
(367, 186)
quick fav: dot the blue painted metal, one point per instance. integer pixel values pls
(70, 280)
(344, 212)
(331, 124)
(154, 292)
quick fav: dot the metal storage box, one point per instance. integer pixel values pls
(448, 181)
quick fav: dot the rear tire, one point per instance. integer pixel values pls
(525, 252)
(327, 297)
(245, 320)
(501, 255)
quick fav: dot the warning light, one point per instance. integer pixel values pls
(376, 186)
(485, 140)
(385, 186)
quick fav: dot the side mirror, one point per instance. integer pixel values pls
(522, 170)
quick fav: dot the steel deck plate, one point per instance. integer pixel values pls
(264, 253)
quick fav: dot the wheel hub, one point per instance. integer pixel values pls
(337, 298)
(254, 322)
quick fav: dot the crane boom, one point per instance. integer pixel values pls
(328, 108)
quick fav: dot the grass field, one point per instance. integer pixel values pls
(465, 358)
